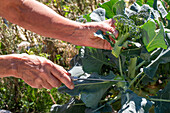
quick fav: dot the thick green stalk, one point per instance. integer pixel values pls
(118, 45)
(120, 67)
(132, 67)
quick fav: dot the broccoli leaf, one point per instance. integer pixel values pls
(135, 7)
(150, 2)
(140, 2)
(160, 106)
(132, 103)
(98, 15)
(151, 39)
(76, 71)
(91, 91)
(93, 60)
(108, 6)
(119, 7)
(163, 58)
(161, 9)
(168, 16)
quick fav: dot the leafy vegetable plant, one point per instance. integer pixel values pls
(140, 56)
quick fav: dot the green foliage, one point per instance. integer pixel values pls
(151, 39)
(140, 56)
(93, 60)
(168, 16)
(109, 7)
(90, 95)
(25, 98)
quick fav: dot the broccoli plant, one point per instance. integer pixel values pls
(133, 76)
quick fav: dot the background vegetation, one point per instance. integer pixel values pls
(17, 96)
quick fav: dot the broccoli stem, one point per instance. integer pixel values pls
(118, 45)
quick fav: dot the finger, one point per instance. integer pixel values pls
(110, 27)
(106, 45)
(39, 83)
(45, 73)
(111, 22)
(54, 82)
(46, 85)
(61, 74)
(50, 78)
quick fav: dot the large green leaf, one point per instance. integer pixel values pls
(91, 91)
(132, 103)
(119, 7)
(93, 60)
(151, 39)
(140, 2)
(163, 58)
(108, 6)
(161, 106)
(168, 16)
(150, 2)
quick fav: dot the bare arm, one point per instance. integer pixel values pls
(36, 71)
(40, 19)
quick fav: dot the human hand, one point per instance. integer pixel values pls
(38, 72)
(86, 34)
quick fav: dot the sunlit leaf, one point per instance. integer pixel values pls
(108, 6)
(151, 39)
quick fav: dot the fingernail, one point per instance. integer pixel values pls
(68, 73)
(72, 86)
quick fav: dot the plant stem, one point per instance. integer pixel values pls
(132, 67)
(120, 67)
(139, 65)
(137, 76)
(161, 100)
(140, 80)
(79, 104)
(103, 82)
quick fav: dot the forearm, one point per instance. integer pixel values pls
(40, 19)
(7, 66)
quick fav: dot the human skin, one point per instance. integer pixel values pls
(42, 20)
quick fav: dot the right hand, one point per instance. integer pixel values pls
(38, 72)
